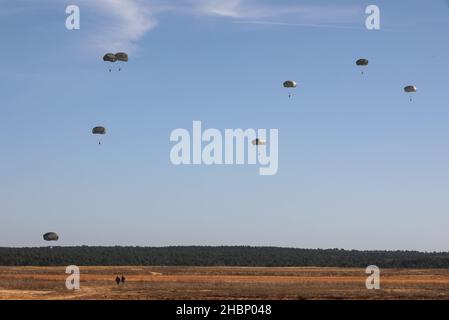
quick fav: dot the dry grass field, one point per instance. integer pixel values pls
(221, 283)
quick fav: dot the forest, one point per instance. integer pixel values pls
(218, 256)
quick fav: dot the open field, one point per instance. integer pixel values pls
(222, 283)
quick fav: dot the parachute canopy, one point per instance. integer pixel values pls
(99, 130)
(113, 57)
(122, 56)
(410, 89)
(290, 84)
(51, 236)
(110, 57)
(362, 62)
(258, 142)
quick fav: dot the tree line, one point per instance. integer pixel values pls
(218, 256)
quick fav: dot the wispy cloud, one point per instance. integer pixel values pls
(129, 20)
(250, 9)
(230, 8)
(287, 24)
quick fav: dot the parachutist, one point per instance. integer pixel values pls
(99, 130)
(290, 84)
(363, 63)
(410, 90)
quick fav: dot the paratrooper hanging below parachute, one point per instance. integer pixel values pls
(290, 84)
(121, 58)
(110, 58)
(410, 90)
(99, 130)
(362, 63)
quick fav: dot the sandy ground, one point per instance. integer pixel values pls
(221, 283)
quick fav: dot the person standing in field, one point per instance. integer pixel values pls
(123, 279)
(117, 279)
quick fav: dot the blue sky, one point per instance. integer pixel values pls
(359, 165)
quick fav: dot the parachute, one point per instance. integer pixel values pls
(410, 89)
(99, 130)
(114, 57)
(258, 142)
(121, 57)
(110, 58)
(290, 84)
(362, 63)
(50, 236)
